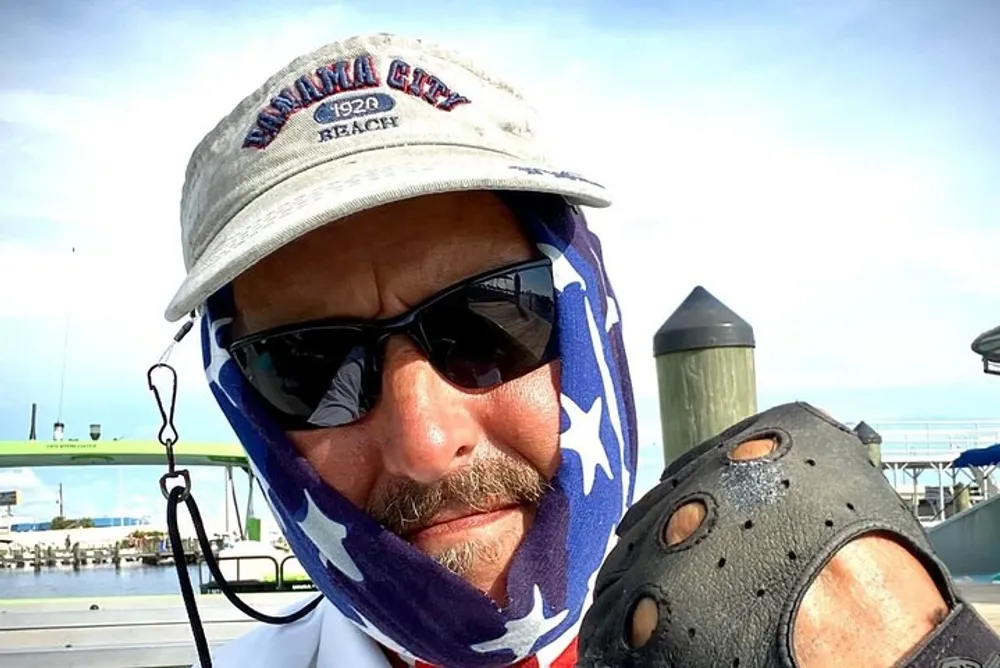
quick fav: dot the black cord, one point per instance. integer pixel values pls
(187, 590)
(168, 438)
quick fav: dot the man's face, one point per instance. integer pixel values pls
(456, 472)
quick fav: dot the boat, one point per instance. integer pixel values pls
(146, 631)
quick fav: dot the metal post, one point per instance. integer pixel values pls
(225, 496)
(705, 370)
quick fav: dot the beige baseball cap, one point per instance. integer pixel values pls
(351, 126)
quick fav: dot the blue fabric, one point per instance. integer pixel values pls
(978, 457)
(398, 595)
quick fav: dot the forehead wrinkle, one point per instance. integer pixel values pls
(382, 295)
(382, 262)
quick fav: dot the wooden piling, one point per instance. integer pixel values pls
(872, 440)
(961, 500)
(705, 370)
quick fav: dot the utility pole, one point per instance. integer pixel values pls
(61, 513)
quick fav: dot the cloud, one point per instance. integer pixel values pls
(37, 499)
(846, 258)
(22, 479)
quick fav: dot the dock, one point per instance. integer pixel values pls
(48, 556)
(986, 599)
(153, 631)
(122, 631)
(917, 456)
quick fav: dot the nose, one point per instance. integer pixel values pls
(428, 427)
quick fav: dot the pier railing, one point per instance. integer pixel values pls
(259, 578)
(934, 439)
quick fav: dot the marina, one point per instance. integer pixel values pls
(108, 597)
(47, 556)
(919, 459)
(131, 615)
(191, 263)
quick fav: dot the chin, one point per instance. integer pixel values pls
(483, 560)
(490, 574)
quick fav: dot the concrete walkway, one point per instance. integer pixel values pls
(986, 599)
(145, 631)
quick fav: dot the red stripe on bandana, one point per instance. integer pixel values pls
(568, 658)
(565, 660)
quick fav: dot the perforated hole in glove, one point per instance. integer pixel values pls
(713, 564)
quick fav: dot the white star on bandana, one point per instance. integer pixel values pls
(563, 273)
(327, 534)
(613, 318)
(522, 634)
(582, 438)
(217, 355)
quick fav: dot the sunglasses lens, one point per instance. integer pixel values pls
(495, 330)
(313, 378)
(480, 335)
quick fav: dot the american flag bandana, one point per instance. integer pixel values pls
(398, 596)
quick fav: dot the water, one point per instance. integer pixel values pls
(95, 581)
(136, 581)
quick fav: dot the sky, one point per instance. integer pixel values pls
(827, 170)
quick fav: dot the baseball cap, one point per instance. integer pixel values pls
(349, 127)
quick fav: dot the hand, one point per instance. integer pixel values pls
(871, 604)
(728, 561)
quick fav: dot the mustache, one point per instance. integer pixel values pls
(491, 482)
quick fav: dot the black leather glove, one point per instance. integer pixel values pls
(727, 595)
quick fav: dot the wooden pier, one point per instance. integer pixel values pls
(122, 631)
(986, 599)
(47, 556)
(153, 631)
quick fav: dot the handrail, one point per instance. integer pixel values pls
(280, 582)
(284, 585)
(237, 558)
(930, 438)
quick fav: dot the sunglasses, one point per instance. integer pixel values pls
(479, 333)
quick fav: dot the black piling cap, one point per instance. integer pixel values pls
(702, 321)
(867, 434)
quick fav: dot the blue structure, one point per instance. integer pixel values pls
(99, 523)
(978, 457)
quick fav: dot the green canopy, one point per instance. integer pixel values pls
(117, 453)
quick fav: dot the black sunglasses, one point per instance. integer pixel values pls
(484, 331)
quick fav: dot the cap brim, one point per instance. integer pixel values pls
(346, 186)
